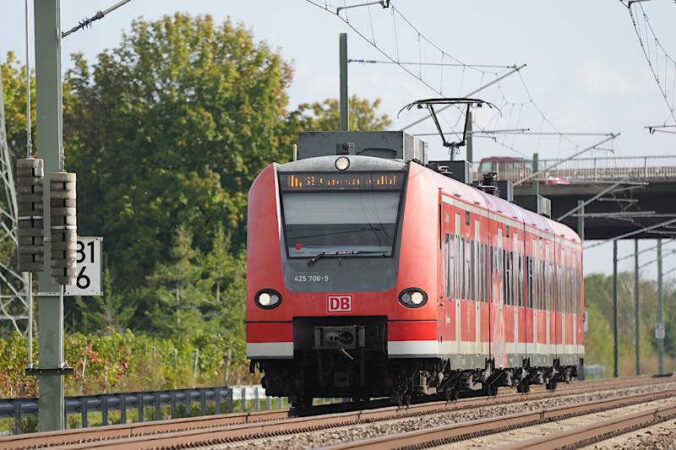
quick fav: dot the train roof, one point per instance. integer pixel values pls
(502, 159)
(497, 205)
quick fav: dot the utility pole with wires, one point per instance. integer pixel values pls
(344, 98)
(616, 337)
(637, 309)
(659, 329)
(50, 144)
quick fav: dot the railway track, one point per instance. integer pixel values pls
(237, 427)
(577, 436)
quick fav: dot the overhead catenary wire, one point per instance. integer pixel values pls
(433, 64)
(420, 36)
(87, 21)
(631, 255)
(633, 233)
(414, 65)
(644, 41)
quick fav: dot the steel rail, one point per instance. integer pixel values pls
(467, 430)
(243, 426)
(597, 432)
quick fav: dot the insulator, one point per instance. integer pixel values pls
(30, 174)
(62, 211)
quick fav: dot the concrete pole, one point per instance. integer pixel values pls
(535, 186)
(470, 139)
(49, 123)
(580, 219)
(660, 305)
(616, 346)
(637, 316)
(344, 106)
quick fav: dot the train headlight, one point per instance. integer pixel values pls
(268, 299)
(342, 163)
(413, 297)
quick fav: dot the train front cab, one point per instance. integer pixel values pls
(357, 309)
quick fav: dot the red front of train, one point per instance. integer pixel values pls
(353, 288)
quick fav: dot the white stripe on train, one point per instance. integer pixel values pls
(268, 350)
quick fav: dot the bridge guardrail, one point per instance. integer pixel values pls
(212, 400)
(635, 168)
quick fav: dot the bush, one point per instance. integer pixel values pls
(118, 362)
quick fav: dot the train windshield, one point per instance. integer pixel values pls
(345, 223)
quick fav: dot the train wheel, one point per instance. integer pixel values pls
(550, 385)
(301, 401)
(407, 399)
(451, 395)
(523, 388)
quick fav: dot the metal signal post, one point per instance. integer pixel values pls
(50, 298)
(344, 99)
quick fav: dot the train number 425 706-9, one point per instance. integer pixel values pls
(310, 278)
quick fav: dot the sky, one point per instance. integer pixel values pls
(585, 70)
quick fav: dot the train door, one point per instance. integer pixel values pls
(497, 330)
(559, 323)
(518, 345)
(546, 297)
(529, 318)
(448, 314)
(457, 270)
(578, 289)
(481, 307)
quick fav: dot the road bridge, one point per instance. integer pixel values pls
(632, 192)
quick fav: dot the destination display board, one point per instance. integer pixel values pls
(341, 181)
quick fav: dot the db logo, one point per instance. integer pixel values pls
(339, 303)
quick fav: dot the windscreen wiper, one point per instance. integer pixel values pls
(319, 256)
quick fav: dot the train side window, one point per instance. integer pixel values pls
(479, 277)
(506, 277)
(463, 290)
(519, 285)
(472, 271)
(468, 273)
(569, 288)
(558, 287)
(533, 275)
(528, 282)
(487, 273)
(536, 277)
(458, 266)
(543, 288)
(467, 218)
(447, 250)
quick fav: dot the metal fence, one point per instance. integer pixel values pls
(147, 406)
(641, 168)
(633, 167)
(594, 371)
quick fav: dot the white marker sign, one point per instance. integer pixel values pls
(89, 266)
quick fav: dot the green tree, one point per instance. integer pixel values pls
(171, 128)
(175, 285)
(168, 130)
(325, 115)
(14, 90)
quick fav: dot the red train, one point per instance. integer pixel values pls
(370, 274)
